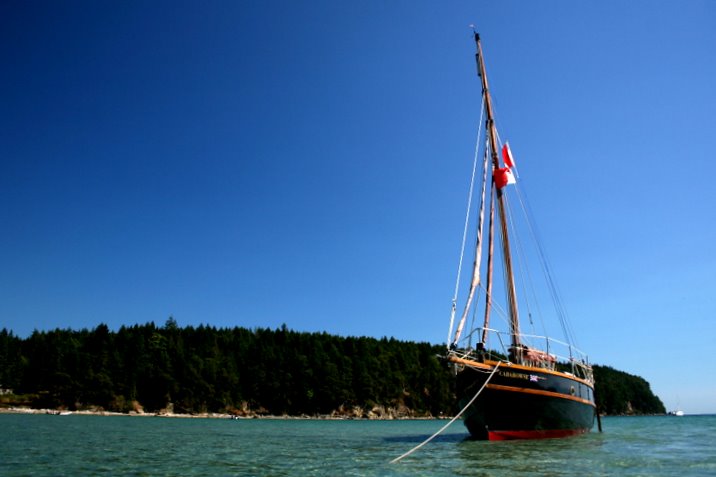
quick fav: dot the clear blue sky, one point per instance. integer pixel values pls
(256, 163)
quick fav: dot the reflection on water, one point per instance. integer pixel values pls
(544, 457)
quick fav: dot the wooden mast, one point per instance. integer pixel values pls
(488, 281)
(492, 135)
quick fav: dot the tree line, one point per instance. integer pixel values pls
(620, 393)
(234, 370)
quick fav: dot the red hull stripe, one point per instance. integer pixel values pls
(542, 434)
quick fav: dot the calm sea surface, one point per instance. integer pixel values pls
(75, 445)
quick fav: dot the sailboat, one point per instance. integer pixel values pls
(511, 384)
(678, 412)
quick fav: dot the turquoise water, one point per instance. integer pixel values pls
(76, 445)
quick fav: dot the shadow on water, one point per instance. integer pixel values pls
(468, 442)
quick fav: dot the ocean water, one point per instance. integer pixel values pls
(81, 445)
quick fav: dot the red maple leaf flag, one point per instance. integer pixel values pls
(503, 176)
(507, 155)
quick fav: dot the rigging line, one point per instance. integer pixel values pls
(476, 265)
(495, 304)
(467, 220)
(485, 166)
(525, 272)
(457, 416)
(505, 276)
(520, 257)
(502, 313)
(495, 100)
(546, 269)
(472, 324)
(524, 209)
(559, 304)
(499, 310)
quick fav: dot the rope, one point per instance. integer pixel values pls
(467, 221)
(398, 459)
(559, 307)
(476, 265)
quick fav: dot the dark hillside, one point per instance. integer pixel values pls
(622, 393)
(247, 372)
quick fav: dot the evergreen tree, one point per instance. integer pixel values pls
(280, 371)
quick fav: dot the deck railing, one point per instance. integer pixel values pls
(534, 350)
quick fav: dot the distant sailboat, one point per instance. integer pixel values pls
(510, 384)
(678, 412)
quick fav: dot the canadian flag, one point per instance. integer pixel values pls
(503, 176)
(507, 155)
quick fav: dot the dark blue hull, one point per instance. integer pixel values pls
(522, 402)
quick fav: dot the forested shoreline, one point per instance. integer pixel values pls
(248, 372)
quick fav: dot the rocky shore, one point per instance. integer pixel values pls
(342, 413)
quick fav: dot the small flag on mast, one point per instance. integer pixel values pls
(507, 155)
(503, 176)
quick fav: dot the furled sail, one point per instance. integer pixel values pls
(475, 282)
